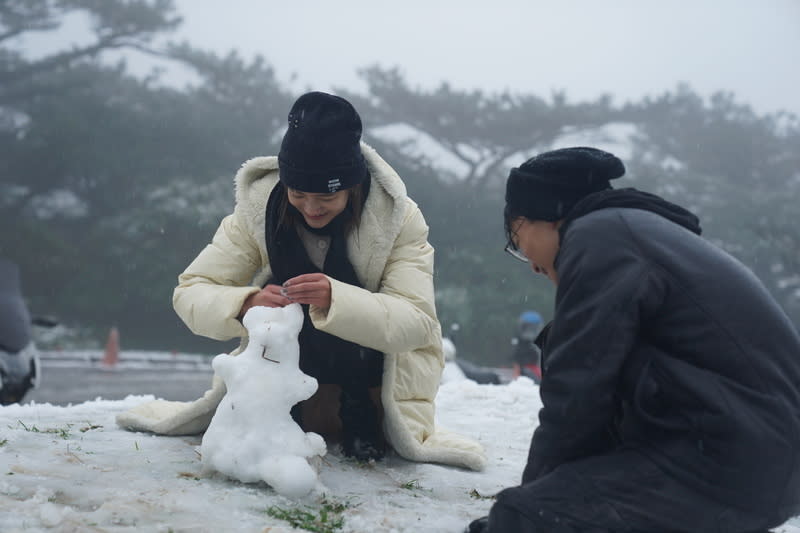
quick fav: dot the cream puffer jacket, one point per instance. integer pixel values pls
(394, 312)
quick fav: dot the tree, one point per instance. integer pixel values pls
(64, 167)
(737, 170)
(115, 24)
(30, 88)
(482, 131)
(112, 183)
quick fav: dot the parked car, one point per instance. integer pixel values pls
(456, 368)
(20, 370)
(479, 374)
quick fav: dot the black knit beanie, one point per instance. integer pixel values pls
(546, 187)
(321, 151)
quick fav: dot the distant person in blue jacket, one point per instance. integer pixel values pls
(525, 355)
(670, 376)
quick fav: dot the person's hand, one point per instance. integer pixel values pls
(312, 289)
(269, 296)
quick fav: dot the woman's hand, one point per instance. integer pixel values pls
(269, 296)
(312, 289)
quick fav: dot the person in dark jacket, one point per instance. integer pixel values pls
(671, 377)
(525, 356)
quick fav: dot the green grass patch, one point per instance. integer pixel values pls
(329, 518)
(61, 432)
(478, 496)
(411, 485)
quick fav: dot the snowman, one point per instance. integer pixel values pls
(252, 436)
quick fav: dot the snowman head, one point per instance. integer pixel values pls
(273, 331)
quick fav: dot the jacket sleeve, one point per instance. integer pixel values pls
(605, 288)
(401, 316)
(212, 289)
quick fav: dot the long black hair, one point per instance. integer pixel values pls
(289, 216)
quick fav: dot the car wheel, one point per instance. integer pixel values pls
(8, 395)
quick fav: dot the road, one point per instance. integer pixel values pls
(77, 377)
(72, 385)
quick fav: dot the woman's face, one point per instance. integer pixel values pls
(318, 209)
(538, 240)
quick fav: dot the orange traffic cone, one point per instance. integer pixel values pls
(111, 355)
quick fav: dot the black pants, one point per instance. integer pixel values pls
(356, 369)
(622, 492)
(352, 368)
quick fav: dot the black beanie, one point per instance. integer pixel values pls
(546, 187)
(321, 151)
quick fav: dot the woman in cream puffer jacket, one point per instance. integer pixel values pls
(394, 313)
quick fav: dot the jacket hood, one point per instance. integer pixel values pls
(635, 199)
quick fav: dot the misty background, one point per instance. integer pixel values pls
(122, 124)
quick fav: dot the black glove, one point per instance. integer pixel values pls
(481, 525)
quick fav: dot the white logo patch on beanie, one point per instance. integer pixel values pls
(334, 184)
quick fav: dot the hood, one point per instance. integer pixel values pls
(635, 199)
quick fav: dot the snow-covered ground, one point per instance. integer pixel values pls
(71, 469)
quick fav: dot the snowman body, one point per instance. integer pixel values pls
(252, 436)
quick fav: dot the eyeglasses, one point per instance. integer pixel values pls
(515, 252)
(512, 248)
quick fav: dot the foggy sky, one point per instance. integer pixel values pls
(629, 48)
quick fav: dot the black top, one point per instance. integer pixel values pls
(662, 341)
(525, 352)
